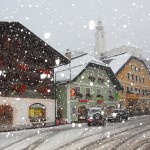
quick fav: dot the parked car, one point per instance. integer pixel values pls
(118, 115)
(96, 116)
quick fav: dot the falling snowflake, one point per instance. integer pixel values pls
(91, 25)
(47, 35)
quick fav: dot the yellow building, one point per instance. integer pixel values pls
(134, 76)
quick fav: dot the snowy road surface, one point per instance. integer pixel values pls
(133, 134)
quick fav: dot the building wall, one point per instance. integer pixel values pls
(137, 72)
(83, 82)
(21, 109)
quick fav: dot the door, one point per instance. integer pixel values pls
(82, 113)
(6, 115)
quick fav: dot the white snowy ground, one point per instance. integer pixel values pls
(133, 134)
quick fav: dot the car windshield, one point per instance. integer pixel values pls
(94, 111)
(115, 111)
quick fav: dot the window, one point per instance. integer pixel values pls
(131, 66)
(129, 76)
(90, 74)
(100, 75)
(110, 93)
(140, 79)
(98, 91)
(77, 89)
(87, 90)
(136, 78)
(38, 111)
(143, 80)
(127, 88)
(143, 91)
(139, 91)
(131, 89)
(132, 76)
(139, 70)
(136, 68)
(135, 89)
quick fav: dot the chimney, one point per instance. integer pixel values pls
(68, 54)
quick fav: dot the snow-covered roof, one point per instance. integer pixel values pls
(70, 71)
(147, 63)
(116, 62)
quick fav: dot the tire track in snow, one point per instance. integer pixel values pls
(88, 136)
(101, 143)
(35, 135)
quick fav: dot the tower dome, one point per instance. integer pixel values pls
(99, 25)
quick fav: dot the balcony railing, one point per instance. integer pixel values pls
(79, 95)
(88, 95)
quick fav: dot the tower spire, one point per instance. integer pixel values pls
(100, 45)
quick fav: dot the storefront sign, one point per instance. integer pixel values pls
(73, 92)
(84, 100)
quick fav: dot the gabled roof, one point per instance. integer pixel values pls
(118, 62)
(68, 73)
(26, 45)
(63, 73)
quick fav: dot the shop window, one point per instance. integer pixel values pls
(37, 112)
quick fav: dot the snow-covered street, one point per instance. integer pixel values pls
(134, 134)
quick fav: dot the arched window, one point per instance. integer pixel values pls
(37, 111)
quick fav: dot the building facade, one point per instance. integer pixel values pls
(87, 83)
(134, 76)
(26, 76)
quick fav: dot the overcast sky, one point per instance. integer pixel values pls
(64, 24)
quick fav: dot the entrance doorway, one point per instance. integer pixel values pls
(82, 113)
(6, 115)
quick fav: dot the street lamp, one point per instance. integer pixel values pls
(57, 62)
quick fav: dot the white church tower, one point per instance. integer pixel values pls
(100, 43)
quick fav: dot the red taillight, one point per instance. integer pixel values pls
(90, 120)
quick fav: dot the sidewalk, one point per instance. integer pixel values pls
(30, 126)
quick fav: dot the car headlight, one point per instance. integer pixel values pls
(91, 118)
(114, 114)
(102, 112)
